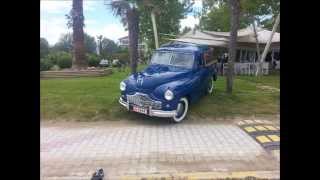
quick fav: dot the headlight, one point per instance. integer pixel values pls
(168, 95)
(122, 86)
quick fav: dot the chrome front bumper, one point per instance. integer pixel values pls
(152, 112)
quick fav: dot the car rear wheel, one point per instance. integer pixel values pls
(182, 110)
(210, 86)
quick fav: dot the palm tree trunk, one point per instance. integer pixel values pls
(259, 68)
(133, 27)
(257, 40)
(235, 13)
(79, 59)
(266, 49)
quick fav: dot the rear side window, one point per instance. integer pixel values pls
(182, 60)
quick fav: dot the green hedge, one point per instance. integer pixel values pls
(93, 60)
(45, 64)
(64, 60)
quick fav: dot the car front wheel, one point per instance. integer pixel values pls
(182, 110)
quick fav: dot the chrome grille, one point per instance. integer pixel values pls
(143, 100)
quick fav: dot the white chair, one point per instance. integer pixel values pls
(265, 68)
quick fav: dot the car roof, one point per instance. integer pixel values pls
(182, 47)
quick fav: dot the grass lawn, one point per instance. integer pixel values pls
(96, 98)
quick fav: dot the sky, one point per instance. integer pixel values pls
(99, 19)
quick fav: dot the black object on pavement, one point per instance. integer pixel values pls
(98, 175)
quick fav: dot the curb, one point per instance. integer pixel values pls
(209, 175)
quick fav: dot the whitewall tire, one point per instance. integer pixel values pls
(182, 110)
(210, 86)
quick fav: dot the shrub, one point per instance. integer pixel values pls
(93, 60)
(45, 64)
(58, 59)
(55, 68)
(64, 60)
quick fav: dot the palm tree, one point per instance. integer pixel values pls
(76, 20)
(128, 11)
(235, 14)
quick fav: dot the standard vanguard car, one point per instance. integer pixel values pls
(178, 74)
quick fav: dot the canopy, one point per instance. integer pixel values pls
(221, 39)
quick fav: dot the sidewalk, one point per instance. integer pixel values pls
(145, 150)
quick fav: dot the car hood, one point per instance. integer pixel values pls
(156, 75)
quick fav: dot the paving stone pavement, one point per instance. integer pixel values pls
(76, 152)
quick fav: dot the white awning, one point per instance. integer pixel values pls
(221, 39)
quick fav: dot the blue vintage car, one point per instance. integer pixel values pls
(178, 74)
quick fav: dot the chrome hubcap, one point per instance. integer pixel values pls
(180, 109)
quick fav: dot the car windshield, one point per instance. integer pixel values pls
(173, 58)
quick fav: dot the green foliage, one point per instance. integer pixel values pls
(55, 68)
(218, 19)
(64, 60)
(122, 55)
(45, 64)
(44, 47)
(61, 59)
(90, 43)
(168, 16)
(108, 47)
(65, 43)
(93, 60)
(216, 14)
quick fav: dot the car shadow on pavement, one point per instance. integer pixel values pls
(148, 120)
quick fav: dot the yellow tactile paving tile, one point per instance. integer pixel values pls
(250, 129)
(263, 139)
(271, 128)
(260, 128)
(274, 138)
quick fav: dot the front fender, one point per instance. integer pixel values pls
(180, 88)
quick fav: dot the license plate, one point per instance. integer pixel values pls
(140, 110)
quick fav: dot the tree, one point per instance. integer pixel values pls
(185, 30)
(167, 14)
(90, 44)
(215, 15)
(65, 43)
(234, 6)
(108, 47)
(218, 17)
(128, 11)
(44, 47)
(76, 21)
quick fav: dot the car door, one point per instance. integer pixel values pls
(199, 78)
(204, 75)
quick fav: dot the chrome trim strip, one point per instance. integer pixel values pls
(153, 112)
(145, 100)
(123, 103)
